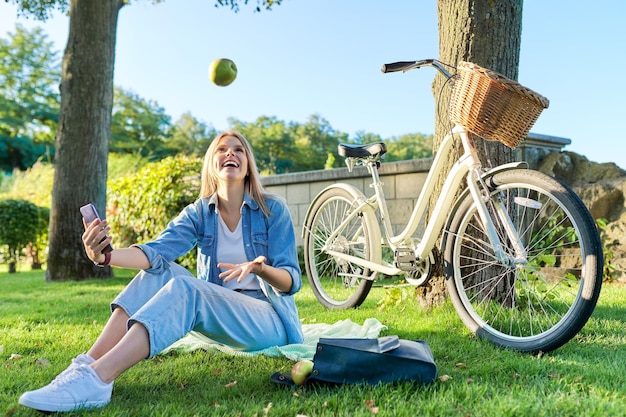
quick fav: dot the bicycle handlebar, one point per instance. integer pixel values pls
(405, 66)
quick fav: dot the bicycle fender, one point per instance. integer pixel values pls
(487, 174)
(355, 192)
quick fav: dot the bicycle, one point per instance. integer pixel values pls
(522, 254)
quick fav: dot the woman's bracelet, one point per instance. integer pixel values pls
(107, 259)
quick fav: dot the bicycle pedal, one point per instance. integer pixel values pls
(405, 260)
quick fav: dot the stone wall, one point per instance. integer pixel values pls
(402, 184)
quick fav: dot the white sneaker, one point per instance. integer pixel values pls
(79, 388)
(76, 362)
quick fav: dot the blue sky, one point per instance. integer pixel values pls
(324, 56)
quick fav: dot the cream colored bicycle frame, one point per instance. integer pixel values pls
(469, 166)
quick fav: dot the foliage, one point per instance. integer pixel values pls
(608, 273)
(396, 295)
(34, 184)
(36, 250)
(409, 146)
(122, 164)
(282, 147)
(400, 148)
(189, 136)
(137, 125)
(260, 4)
(40, 9)
(20, 224)
(29, 99)
(316, 141)
(274, 148)
(140, 205)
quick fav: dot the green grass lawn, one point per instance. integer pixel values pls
(44, 325)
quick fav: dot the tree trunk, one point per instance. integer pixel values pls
(82, 141)
(487, 33)
(32, 254)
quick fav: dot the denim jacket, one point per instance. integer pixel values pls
(272, 237)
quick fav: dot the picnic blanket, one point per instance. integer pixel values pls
(370, 329)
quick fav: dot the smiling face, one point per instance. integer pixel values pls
(230, 158)
(230, 161)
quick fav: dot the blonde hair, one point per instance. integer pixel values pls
(210, 179)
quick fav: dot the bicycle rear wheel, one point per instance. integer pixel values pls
(536, 304)
(333, 225)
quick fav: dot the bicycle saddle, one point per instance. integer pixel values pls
(376, 149)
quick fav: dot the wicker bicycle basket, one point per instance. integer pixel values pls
(493, 106)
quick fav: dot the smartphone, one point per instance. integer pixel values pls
(90, 214)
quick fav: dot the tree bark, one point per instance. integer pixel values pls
(83, 135)
(487, 33)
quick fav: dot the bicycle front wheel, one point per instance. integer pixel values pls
(333, 225)
(538, 303)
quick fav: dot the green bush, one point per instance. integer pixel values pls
(34, 184)
(140, 205)
(19, 224)
(122, 164)
(36, 250)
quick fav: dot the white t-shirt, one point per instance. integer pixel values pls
(230, 250)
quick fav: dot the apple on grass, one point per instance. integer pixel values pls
(300, 371)
(222, 72)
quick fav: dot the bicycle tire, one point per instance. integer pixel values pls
(542, 304)
(335, 282)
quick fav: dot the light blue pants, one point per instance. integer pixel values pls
(173, 303)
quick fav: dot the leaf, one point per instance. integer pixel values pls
(231, 384)
(444, 378)
(15, 356)
(371, 405)
(42, 362)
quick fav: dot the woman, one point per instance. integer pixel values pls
(243, 297)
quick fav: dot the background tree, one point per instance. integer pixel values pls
(29, 99)
(138, 126)
(275, 149)
(361, 138)
(487, 33)
(190, 136)
(409, 146)
(82, 140)
(315, 140)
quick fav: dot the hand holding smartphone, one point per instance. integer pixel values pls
(90, 214)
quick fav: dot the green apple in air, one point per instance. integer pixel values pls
(222, 72)
(300, 371)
